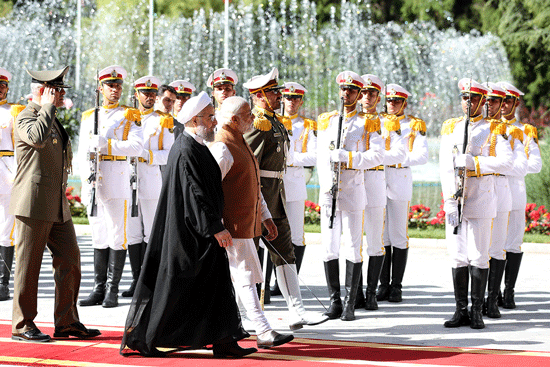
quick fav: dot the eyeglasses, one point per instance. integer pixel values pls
(212, 117)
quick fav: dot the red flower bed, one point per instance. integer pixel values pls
(537, 220)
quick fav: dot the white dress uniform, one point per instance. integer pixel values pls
(492, 154)
(303, 150)
(7, 174)
(351, 199)
(158, 137)
(122, 127)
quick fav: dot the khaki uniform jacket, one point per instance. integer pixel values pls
(43, 153)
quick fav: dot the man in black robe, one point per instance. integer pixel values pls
(184, 296)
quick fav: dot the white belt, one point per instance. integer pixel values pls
(272, 174)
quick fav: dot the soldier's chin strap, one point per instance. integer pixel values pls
(477, 108)
(107, 103)
(267, 100)
(511, 114)
(355, 101)
(499, 107)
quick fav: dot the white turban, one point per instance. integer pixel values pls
(193, 106)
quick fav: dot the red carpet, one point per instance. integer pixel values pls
(103, 351)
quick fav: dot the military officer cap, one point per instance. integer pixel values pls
(511, 91)
(222, 76)
(263, 82)
(395, 92)
(467, 86)
(350, 79)
(372, 82)
(147, 83)
(112, 74)
(294, 89)
(5, 76)
(52, 78)
(182, 86)
(494, 91)
(193, 107)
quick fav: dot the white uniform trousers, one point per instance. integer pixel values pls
(348, 225)
(516, 230)
(374, 230)
(139, 228)
(109, 227)
(295, 213)
(396, 231)
(471, 245)
(246, 271)
(499, 234)
(7, 223)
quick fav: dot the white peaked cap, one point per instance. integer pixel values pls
(193, 107)
(259, 82)
(182, 86)
(350, 78)
(5, 76)
(112, 74)
(372, 82)
(293, 88)
(494, 90)
(222, 76)
(468, 85)
(511, 89)
(395, 90)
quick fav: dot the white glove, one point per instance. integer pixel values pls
(339, 155)
(451, 211)
(98, 142)
(465, 160)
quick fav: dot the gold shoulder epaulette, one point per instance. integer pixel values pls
(372, 123)
(166, 120)
(449, 125)
(323, 119)
(391, 124)
(516, 133)
(285, 121)
(133, 114)
(531, 131)
(310, 124)
(262, 123)
(418, 125)
(497, 127)
(87, 113)
(16, 109)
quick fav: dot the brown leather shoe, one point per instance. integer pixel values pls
(75, 329)
(33, 335)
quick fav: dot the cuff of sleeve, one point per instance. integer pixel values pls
(350, 159)
(109, 147)
(150, 157)
(478, 169)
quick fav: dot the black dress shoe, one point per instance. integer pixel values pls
(33, 335)
(231, 350)
(75, 329)
(273, 339)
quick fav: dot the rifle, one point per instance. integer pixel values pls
(385, 97)
(461, 172)
(134, 176)
(336, 166)
(93, 157)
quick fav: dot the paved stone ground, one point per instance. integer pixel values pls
(418, 320)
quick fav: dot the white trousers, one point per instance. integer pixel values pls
(396, 231)
(7, 223)
(244, 264)
(499, 233)
(471, 245)
(516, 230)
(248, 296)
(139, 228)
(295, 213)
(109, 227)
(374, 230)
(348, 225)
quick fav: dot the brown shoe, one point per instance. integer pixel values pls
(33, 335)
(75, 329)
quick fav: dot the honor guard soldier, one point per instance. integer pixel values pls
(375, 187)
(302, 153)
(119, 136)
(158, 137)
(222, 82)
(468, 178)
(342, 194)
(269, 141)
(495, 98)
(516, 226)
(399, 190)
(7, 174)
(184, 89)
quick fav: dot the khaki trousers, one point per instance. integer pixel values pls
(32, 237)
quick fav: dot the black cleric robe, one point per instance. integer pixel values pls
(184, 296)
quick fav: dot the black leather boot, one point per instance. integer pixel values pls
(101, 261)
(496, 270)
(6, 262)
(134, 253)
(373, 274)
(479, 283)
(460, 284)
(399, 262)
(117, 258)
(513, 261)
(360, 297)
(385, 275)
(353, 273)
(332, 274)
